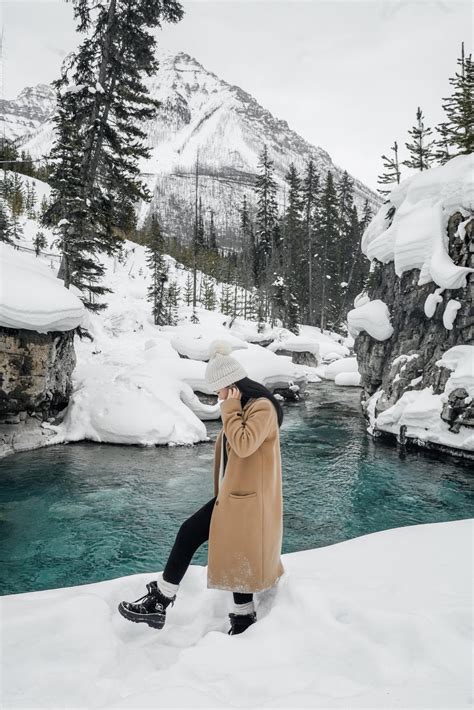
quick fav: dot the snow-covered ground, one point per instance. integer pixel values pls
(381, 621)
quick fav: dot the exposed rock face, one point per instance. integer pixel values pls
(35, 373)
(407, 359)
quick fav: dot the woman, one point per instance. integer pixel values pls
(243, 522)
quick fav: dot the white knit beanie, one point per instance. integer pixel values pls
(222, 370)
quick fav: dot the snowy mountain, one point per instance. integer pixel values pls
(30, 110)
(200, 111)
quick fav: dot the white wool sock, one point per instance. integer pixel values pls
(166, 588)
(247, 608)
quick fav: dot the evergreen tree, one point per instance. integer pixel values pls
(188, 290)
(201, 242)
(39, 243)
(348, 240)
(442, 148)
(209, 298)
(310, 196)
(391, 176)
(102, 108)
(267, 214)
(43, 211)
(459, 108)
(327, 241)
(421, 150)
(171, 302)
(226, 299)
(212, 234)
(159, 273)
(6, 231)
(294, 252)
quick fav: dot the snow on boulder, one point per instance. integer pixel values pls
(194, 340)
(32, 297)
(345, 364)
(296, 344)
(329, 346)
(347, 379)
(273, 371)
(415, 237)
(373, 317)
(460, 360)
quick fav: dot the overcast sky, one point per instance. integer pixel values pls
(346, 75)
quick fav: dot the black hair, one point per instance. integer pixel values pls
(251, 389)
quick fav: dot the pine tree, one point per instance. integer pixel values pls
(201, 242)
(212, 234)
(459, 108)
(6, 231)
(327, 241)
(188, 290)
(391, 176)
(43, 211)
(39, 242)
(421, 150)
(310, 196)
(294, 252)
(209, 298)
(442, 148)
(171, 303)
(103, 106)
(267, 214)
(348, 240)
(226, 299)
(159, 273)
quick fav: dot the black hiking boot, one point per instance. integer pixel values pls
(240, 622)
(151, 608)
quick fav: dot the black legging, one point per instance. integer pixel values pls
(191, 535)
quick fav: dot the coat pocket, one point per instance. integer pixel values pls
(240, 496)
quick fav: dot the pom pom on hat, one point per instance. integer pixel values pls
(223, 347)
(222, 369)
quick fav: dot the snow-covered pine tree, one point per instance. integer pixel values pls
(442, 148)
(248, 254)
(267, 214)
(159, 272)
(391, 174)
(30, 200)
(209, 297)
(327, 241)
(6, 231)
(293, 314)
(310, 197)
(421, 149)
(201, 241)
(43, 210)
(188, 290)
(294, 252)
(459, 108)
(102, 107)
(226, 299)
(17, 205)
(171, 303)
(39, 242)
(212, 233)
(348, 230)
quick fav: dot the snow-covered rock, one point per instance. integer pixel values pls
(380, 621)
(415, 237)
(373, 317)
(32, 297)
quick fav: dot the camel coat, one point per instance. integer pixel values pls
(246, 529)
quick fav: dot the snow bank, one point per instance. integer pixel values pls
(193, 341)
(347, 366)
(32, 297)
(347, 379)
(420, 410)
(296, 344)
(416, 238)
(373, 317)
(331, 346)
(380, 621)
